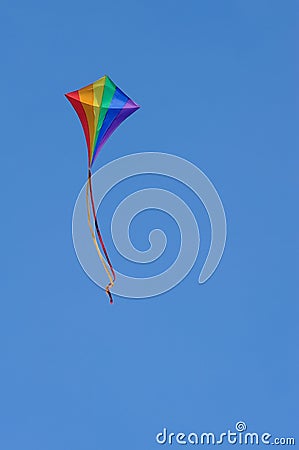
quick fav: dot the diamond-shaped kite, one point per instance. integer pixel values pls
(101, 108)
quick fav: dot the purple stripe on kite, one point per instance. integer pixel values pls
(129, 108)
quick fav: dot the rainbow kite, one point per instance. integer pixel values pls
(101, 108)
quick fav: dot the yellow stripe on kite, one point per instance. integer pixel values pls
(98, 90)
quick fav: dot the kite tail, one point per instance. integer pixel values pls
(111, 273)
(94, 239)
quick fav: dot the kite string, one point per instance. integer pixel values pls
(111, 276)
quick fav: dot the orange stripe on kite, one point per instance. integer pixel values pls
(86, 96)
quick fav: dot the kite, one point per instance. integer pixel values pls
(101, 107)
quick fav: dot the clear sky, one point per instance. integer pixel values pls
(217, 82)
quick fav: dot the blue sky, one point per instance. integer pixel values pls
(218, 85)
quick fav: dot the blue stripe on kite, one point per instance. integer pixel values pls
(118, 101)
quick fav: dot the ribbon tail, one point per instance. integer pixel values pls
(111, 272)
